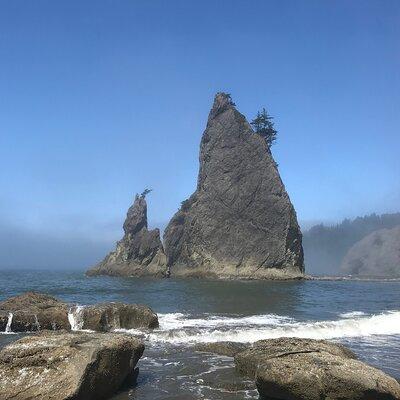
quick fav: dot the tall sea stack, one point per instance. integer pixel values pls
(239, 223)
(140, 252)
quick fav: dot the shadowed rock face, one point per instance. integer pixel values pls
(61, 366)
(378, 254)
(140, 252)
(239, 223)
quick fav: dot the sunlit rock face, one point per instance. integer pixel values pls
(378, 254)
(140, 252)
(239, 223)
(61, 366)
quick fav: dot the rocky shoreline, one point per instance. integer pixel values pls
(77, 364)
(32, 312)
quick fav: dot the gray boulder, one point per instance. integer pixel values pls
(33, 311)
(377, 254)
(139, 253)
(239, 223)
(109, 316)
(305, 369)
(73, 366)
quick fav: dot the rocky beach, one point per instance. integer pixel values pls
(193, 339)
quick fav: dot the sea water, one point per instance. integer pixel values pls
(363, 315)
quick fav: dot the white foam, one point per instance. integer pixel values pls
(352, 314)
(179, 329)
(9, 322)
(180, 321)
(75, 318)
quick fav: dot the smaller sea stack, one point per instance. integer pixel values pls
(140, 252)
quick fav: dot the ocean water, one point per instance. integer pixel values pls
(364, 315)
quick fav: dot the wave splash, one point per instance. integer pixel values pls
(75, 318)
(177, 328)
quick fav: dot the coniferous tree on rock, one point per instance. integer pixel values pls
(264, 126)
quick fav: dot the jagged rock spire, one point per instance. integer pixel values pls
(136, 218)
(140, 252)
(240, 221)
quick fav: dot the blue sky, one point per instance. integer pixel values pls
(100, 99)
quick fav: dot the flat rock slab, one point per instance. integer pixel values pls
(305, 369)
(73, 366)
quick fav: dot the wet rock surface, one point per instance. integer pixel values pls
(239, 223)
(109, 316)
(73, 366)
(305, 369)
(33, 312)
(139, 253)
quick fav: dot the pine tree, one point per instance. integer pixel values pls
(264, 126)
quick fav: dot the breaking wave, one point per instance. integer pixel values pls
(177, 328)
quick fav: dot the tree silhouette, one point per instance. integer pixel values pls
(264, 126)
(145, 193)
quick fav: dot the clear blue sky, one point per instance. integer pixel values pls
(100, 99)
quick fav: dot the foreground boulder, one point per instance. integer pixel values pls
(109, 316)
(33, 312)
(140, 252)
(73, 366)
(239, 223)
(305, 369)
(377, 254)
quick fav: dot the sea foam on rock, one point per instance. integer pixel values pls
(239, 223)
(73, 366)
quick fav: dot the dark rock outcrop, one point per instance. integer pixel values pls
(33, 312)
(140, 252)
(305, 369)
(73, 366)
(239, 223)
(377, 254)
(109, 316)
